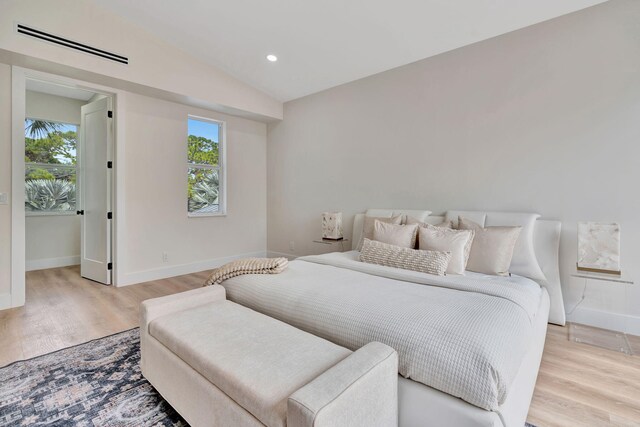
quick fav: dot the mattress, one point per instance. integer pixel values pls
(463, 335)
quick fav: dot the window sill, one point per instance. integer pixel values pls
(206, 215)
(52, 213)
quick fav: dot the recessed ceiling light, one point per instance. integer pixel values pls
(272, 58)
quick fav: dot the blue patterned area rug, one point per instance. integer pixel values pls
(97, 383)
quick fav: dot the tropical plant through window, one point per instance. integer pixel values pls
(204, 167)
(50, 166)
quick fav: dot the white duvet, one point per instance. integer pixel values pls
(463, 335)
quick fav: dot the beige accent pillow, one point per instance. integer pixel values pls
(492, 248)
(369, 222)
(458, 242)
(397, 235)
(431, 262)
(443, 224)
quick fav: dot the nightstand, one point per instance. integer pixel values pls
(335, 245)
(615, 340)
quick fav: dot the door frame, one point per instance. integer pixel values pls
(19, 76)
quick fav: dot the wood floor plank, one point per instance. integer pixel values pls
(592, 395)
(550, 410)
(578, 384)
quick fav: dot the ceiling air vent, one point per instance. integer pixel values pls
(41, 35)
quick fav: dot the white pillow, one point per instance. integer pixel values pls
(397, 235)
(492, 248)
(458, 242)
(477, 217)
(524, 261)
(369, 222)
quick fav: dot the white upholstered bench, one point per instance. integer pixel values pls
(221, 364)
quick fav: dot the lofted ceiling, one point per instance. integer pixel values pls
(321, 44)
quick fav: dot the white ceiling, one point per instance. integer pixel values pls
(58, 90)
(321, 44)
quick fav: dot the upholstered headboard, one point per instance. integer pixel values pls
(546, 245)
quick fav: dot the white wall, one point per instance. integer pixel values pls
(55, 108)
(155, 212)
(545, 119)
(52, 240)
(5, 184)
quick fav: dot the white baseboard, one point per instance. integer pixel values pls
(274, 254)
(606, 320)
(179, 270)
(40, 264)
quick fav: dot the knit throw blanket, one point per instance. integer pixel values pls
(246, 266)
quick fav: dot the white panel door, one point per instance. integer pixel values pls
(94, 151)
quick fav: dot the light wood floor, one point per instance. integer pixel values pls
(578, 385)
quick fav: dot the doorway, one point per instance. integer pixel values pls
(68, 157)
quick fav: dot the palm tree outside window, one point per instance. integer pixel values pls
(50, 166)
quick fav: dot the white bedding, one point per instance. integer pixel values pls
(463, 335)
(526, 293)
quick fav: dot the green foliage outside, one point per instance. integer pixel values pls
(49, 188)
(203, 188)
(39, 173)
(203, 184)
(202, 151)
(40, 128)
(50, 195)
(56, 147)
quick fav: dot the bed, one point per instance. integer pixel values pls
(469, 346)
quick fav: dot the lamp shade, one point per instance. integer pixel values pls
(332, 225)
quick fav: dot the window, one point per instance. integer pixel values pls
(205, 165)
(50, 167)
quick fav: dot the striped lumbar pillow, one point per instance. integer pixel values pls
(432, 262)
